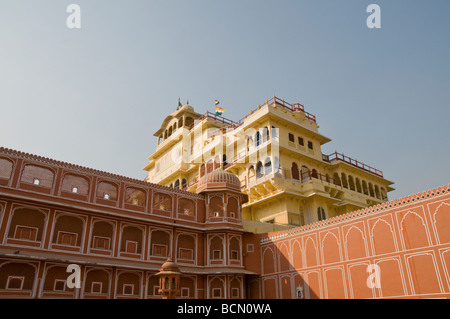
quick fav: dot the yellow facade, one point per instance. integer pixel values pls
(276, 153)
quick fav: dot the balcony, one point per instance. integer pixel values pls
(341, 157)
(265, 227)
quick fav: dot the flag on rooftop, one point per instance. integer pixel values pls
(216, 102)
(219, 110)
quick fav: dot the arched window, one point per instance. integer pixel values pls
(344, 180)
(180, 122)
(232, 207)
(160, 244)
(259, 170)
(107, 190)
(358, 185)
(162, 201)
(249, 142)
(17, 276)
(276, 164)
(131, 240)
(235, 249)
(320, 214)
(216, 207)
(135, 196)
(75, 184)
(371, 192)
(314, 173)
(170, 131)
(364, 187)
(38, 176)
(274, 132)
(183, 183)
(6, 168)
(265, 134)
(268, 166)
(68, 230)
(336, 178)
(177, 184)
(251, 174)
(383, 194)
(202, 170)
(102, 235)
(186, 207)
(27, 224)
(209, 167)
(97, 282)
(216, 248)
(186, 247)
(351, 182)
(258, 139)
(216, 164)
(305, 173)
(377, 192)
(294, 171)
(189, 122)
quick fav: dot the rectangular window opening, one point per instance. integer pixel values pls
(159, 250)
(235, 255)
(131, 246)
(15, 283)
(101, 242)
(291, 137)
(217, 254)
(26, 233)
(96, 287)
(217, 292)
(66, 238)
(60, 285)
(128, 289)
(185, 253)
(184, 292)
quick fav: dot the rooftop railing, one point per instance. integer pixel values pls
(229, 124)
(341, 157)
(292, 107)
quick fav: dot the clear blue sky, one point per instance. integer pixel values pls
(96, 95)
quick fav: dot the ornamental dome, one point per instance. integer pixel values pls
(187, 107)
(218, 180)
(169, 266)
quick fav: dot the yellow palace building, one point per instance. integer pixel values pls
(275, 151)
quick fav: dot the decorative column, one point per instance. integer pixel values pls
(169, 280)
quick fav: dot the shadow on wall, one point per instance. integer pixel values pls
(408, 241)
(280, 279)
